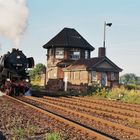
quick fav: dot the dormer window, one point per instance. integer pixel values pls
(74, 54)
(59, 53)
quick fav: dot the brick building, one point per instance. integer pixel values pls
(69, 57)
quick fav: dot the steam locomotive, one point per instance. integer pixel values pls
(14, 78)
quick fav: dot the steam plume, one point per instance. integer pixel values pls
(13, 19)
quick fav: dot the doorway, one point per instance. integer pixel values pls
(103, 79)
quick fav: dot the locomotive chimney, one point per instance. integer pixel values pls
(14, 49)
(102, 52)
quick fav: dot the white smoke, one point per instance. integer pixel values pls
(13, 19)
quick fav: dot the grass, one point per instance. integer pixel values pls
(35, 85)
(118, 93)
(53, 136)
(19, 133)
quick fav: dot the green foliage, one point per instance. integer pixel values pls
(53, 136)
(132, 87)
(132, 97)
(128, 78)
(91, 90)
(36, 87)
(19, 133)
(96, 91)
(36, 72)
(118, 93)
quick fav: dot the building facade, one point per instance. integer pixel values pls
(69, 60)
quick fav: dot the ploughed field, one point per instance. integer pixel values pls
(74, 118)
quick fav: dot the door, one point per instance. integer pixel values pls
(103, 79)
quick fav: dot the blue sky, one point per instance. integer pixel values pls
(48, 17)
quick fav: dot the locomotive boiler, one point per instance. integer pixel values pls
(14, 78)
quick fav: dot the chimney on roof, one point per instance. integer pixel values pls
(102, 52)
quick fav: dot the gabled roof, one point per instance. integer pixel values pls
(92, 63)
(68, 38)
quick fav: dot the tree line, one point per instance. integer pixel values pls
(130, 79)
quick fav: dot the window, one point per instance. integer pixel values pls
(93, 76)
(71, 75)
(74, 75)
(74, 54)
(80, 75)
(86, 54)
(59, 53)
(112, 76)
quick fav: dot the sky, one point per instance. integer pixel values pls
(49, 17)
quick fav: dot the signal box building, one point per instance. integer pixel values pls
(69, 59)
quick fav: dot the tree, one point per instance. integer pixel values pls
(35, 73)
(128, 78)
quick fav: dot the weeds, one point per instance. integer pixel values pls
(19, 133)
(53, 136)
(117, 93)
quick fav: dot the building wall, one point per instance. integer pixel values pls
(77, 77)
(110, 81)
(80, 80)
(54, 72)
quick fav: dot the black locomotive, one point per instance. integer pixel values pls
(14, 78)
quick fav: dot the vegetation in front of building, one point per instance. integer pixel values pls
(128, 91)
(117, 93)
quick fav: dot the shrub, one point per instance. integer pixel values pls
(117, 93)
(132, 97)
(92, 90)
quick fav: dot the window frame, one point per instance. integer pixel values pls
(74, 56)
(60, 52)
(93, 76)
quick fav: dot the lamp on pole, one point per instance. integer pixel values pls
(105, 24)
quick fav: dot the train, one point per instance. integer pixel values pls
(14, 78)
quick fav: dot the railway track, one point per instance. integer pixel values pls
(97, 106)
(115, 104)
(104, 107)
(73, 126)
(114, 130)
(97, 111)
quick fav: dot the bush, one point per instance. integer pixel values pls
(97, 91)
(117, 93)
(132, 97)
